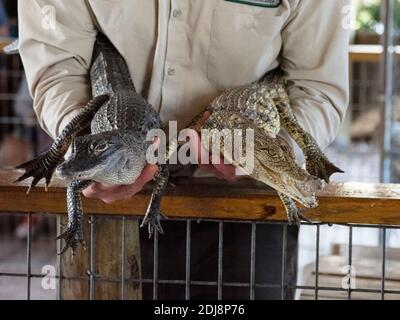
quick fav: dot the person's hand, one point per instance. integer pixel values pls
(216, 165)
(112, 193)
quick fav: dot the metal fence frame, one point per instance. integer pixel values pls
(219, 284)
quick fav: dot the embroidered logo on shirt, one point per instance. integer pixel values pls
(259, 3)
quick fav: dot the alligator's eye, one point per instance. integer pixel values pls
(99, 147)
(73, 151)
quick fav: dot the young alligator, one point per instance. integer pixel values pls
(264, 106)
(114, 152)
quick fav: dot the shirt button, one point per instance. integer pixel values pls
(171, 71)
(177, 13)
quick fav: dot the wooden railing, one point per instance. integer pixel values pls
(356, 203)
(368, 53)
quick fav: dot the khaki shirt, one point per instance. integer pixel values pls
(182, 53)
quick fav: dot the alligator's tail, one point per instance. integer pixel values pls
(108, 60)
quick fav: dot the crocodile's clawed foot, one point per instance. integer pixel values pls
(153, 221)
(72, 238)
(296, 216)
(39, 168)
(319, 166)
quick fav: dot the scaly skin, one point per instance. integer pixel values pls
(274, 161)
(74, 233)
(264, 106)
(45, 165)
(317, 163)
(152, 219)
(115, 150)
(294, 214)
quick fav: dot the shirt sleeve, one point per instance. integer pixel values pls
(315, 61)
(56, 45)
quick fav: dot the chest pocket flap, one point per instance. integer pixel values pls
(243, 45)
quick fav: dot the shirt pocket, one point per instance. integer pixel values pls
(243, 46)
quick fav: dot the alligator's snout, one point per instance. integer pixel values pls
(64, 171)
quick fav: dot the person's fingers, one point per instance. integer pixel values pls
(195, 145)
(97, 189)
(121, 193)
(241, 173)
(89, 192)
(227, 170)
(213, 164)
(205, 117)
(200, 152)
(210, 169)
(228, 173)
(147, 175)
(219, 163)
(111, 193)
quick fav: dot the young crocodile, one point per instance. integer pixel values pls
(114, 152)
(264, 106)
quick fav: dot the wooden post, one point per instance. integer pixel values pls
(96, 273)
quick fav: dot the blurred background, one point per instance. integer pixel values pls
(367, 148)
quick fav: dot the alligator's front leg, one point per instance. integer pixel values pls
(74, 233)
(44, 165)
(317, 163)
(294, 214)
(153, 214)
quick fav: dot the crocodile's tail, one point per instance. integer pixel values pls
(273, 77)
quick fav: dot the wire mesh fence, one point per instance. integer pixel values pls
(31, 280)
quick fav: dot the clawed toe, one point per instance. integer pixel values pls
(302, 217)
(153, 222)
(295, 217)
(72, 239)
(319, 166)
(40, 168)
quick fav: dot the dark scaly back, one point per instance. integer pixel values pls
(109, 70)
(274, 78)
(127, 109)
